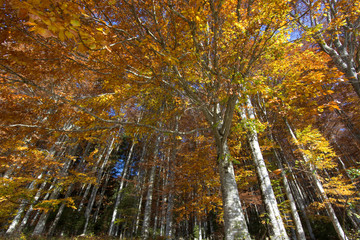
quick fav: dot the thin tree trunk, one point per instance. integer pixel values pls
(121, 185)
(100, 171)
(139, 188)
(40, 226)
(17, 218)
(147, 212)
(138, 214)
(15, 222)
(300, 234)
(314, 177)
(278, 228)
(29, 211)
(102, 194)
(89, 185)
(170, 197)
(87, 190)
(60, 211)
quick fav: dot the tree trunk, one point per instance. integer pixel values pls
(118, 194)
(300, 234)
(235, 224)
(24, 203)
(60, 211)
(100, 171)
(318, 185)
(40, 226)
(102, 194)
(149, 195)
(278, 228)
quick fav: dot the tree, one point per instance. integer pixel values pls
(334, 25)
(81, 72)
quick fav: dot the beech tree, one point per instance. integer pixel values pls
(200, 88)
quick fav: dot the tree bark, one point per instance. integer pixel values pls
(100, 171)
(40, 226)
(60, 211)
(318, 185)
(235, 224)
(278, 228)
(300, 233)
(24, 203)
(147, 212)
(118, 194)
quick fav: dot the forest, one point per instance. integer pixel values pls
(180, 119)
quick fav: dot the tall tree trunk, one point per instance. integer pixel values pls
(40, 226)
(102, 194)
(220, 122)
(89, 185)
(60, 211)
(86, 192)
(118, 194)
(24, 203)
(12, 228)
(149, 196)
(170, 196)
(235, 224)
(300, 233)
(278, 228)
(29, 211)
(318, 185)
(139, 188)
(100, 171)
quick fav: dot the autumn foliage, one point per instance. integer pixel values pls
(197, 119)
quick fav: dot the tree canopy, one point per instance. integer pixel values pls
(197, 119)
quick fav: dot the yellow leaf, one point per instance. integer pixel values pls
(75, 23)
(62, 35)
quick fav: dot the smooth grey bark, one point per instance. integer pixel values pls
(156, 216)
(100, 171)
(300, 199)
(86, 192)
(169, 215)
(40, 226)
(343, 44)
(220, 122)
(17, 218)
(138, 214)
(170, 197)
(29, 211)
(13, 226)
(278, 229)
(60, 211)
(164, 199)
(318, 185)
(102, 194)
(118, 195)
(89, 185)
(235, 223)
(299, 230)
(149, 196)
(68, 193)
(343, 60)
(300, 233)
(139, 188)
(24, 203)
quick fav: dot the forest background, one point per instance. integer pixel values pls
(194, 119)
